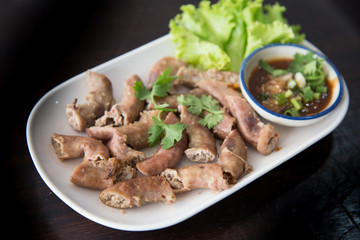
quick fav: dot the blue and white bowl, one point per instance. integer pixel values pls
(276, 51)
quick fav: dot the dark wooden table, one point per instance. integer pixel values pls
(314, 195)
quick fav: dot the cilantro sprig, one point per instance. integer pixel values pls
(160, 88)
(196, 105)
(172, 132)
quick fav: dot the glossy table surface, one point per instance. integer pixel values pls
(314, 195)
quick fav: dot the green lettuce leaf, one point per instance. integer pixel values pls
(221, 35)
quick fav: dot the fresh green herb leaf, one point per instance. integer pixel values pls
(211, 120)
(310, 68)
(156, 132)
(192, 102)
(308, 94)
(163, 84)
(141, 92)
(292, 112)
(196, 105)
(172, 132)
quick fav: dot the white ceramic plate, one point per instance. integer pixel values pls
(48, 116)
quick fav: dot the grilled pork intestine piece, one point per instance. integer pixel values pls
(218, 90)
(233, 155)
(136, 133)
(67, 147)
(202, 145)
(116, 142)
(164, 158)
(127, 110)
(99, 99)
(102, 174)
(137, 192)
(264, 137)
(205, 175)
(189, 77)
(163, 64)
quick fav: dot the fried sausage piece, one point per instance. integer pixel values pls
(264, 137)
(233, 155)
(164, 158)
(163, 64)
(137, 192)
(219, 90)
(190, 77)
(202, 145)
(88, 175)
(116, 142)
(98, 100)
(205, 175)
(136, 133)
(127, 110)
(67, 147)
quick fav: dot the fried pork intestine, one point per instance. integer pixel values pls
(97, 170)
(164, 158)
(264, 137)
(99, 99)
(127, 110)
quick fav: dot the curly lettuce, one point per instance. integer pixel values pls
(221, 35)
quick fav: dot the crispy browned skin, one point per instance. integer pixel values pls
(202, 145)
(164, 158)
(163, 64)
(205, 175)
(67, 147)
(95, 174)
(137, 192)
(233, 155)
(98, 100)
(264, 137)
(190, 77)
(116, 142)
(219, 90)
(127, 110)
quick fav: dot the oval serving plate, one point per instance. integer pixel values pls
(48, 117)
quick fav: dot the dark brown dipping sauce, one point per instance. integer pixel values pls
(260, 78)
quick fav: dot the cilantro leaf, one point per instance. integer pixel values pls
(156, 132)
(162, 84)
(196, 105)
(173, 132)
(191, 102)
(211, 120)
(141, 92)
(310, 68)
